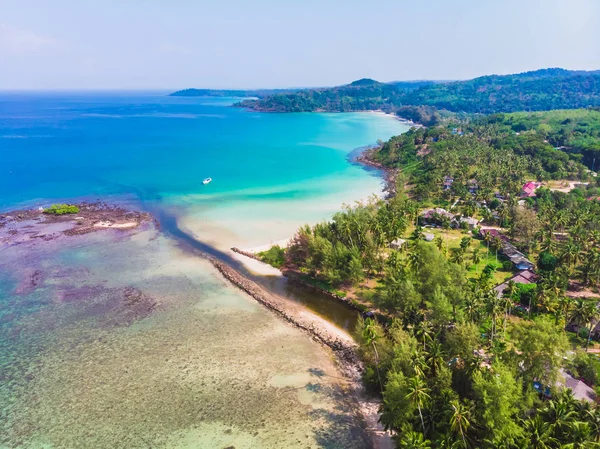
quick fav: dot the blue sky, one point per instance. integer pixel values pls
(110, 44)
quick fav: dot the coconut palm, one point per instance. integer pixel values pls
(539, 433)
(370, 336)
(418, 395)
(460, 419)
(409, 439)
(593, 419)
(475, 256)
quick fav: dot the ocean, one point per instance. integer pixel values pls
(208, 368)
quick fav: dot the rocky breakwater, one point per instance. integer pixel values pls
(364, 407)
(344, 348)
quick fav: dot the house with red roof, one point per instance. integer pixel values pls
(528, 190)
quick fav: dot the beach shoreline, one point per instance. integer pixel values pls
(342, 345)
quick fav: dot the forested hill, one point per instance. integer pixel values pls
(260, 93)
(364, 94)
(530, 91)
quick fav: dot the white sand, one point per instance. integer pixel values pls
(109, 224)
(256, 266)
(257, 249)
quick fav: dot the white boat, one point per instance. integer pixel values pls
(207, 181)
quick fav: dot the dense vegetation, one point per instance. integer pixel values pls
(455, 362)
(458, 363)
(361, 95)
(61, 209)
(531, 91)
(496, 153)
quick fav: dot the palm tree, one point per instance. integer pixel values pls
(593, 419)
(475, 256)
(594, 314)
(560, 414)
(579, 436)
(418, 394)
(410, 439)
(472, 308)
(370, 336)
(493, 308)
(435, 357)
(584, 312)
(424, 332)
(509, 293)
(459, 421)
(539, 433)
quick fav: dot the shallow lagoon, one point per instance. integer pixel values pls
(205, 367)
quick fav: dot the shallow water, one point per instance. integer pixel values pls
(119, 339)
(83, 365)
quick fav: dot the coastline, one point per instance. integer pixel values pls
(32, 225)
(364, 157)
(345, 350)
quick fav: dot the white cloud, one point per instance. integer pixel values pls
(18, 41)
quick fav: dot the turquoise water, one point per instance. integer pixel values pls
(205, 367)
(72, 145)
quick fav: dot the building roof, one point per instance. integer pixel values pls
(493, 233)
(398, 242)
(522, 277)
(580, 390)
(470, 220)
(529, 189)
(429, 237)
(437, 211)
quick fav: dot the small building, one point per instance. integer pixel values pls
(397, 244)
(473, 186)
(435, 214)
(471, 222)
(429, 237)
(483, 232)
(522, 277)
(448, 181)
(581, 391)
(521, 262)
(528, 190)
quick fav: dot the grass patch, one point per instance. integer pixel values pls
(274, 256)
(61, 209)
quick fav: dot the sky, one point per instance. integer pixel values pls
(160, 44)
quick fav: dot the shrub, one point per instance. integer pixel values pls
(507, 265)
(526, 292)
(274, 256)
(547, 261)
(586, 366)
(61, 209)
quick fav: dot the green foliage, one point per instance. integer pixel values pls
(532, 91)
(61, 209)
(586, 366)
(547, 261)
(542, 344)
(274, 256)
(456, 362)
